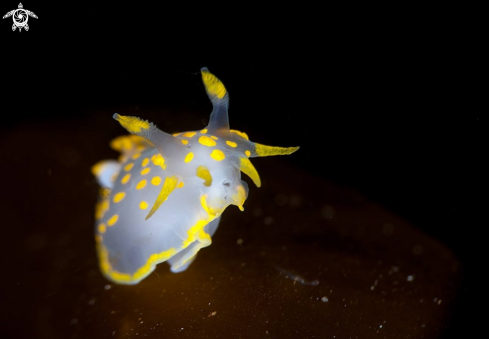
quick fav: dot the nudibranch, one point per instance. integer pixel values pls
(163, 199)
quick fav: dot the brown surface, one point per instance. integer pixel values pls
(242, 286)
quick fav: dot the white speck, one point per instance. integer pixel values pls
(380, 326)
(410, 278)
(108, 287)
(324, 299)
(209, 303)
(439, 302)
(239, 241)
(372, 288)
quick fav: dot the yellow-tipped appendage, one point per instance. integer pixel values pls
(213, 85)
(247, 168)
(133, 125)
(168, 187)
(265, 151)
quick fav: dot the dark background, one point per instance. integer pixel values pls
(379, 99)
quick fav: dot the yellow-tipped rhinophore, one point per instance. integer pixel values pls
(213, 85)
(133, 125)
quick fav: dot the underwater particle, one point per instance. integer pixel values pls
(281, 199)
(107, 287)
(257, 212)
(410, 278)
(327, 212)
(324, 299)
(212, 314)
(417, 249)
(239, 241)
(295, 201)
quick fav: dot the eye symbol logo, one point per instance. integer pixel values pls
(20, 17)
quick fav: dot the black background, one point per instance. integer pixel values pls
(379, 99)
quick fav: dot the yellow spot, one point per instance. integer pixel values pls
(132, 124)
(168, 187)
(241, 134)
(113, 220)
(206, 141)
(135, 156)
(247, 168)
(145, 162)
(180, 184)
(143, 205)
(101, 208)
(214, 137)
(156, 181)
(189, 157)
(212, 84)
(185, 142)
(218, 155)
(127, 143)
(101, 228)
(265, 151)
(118, 197)
(231, 144)
(189, 134)
(126, 178)
(104, 192)
(203, 173)
(98, 168)
(247, 153)
(129, 167)
(141, 184)
(145, 171)
(158, 160)
(204, 131)
(121, 144)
